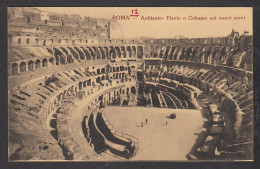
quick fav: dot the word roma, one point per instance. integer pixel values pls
(126, 17)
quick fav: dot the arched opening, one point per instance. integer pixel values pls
(139, 52)
(19, 41)
(112, 53)
(51, 60)
(59, 57)
(106, 52)
(122, 48)
(128, 48)
(103, 70)
(44, 63)
(15, 69)
(133, 90)
(80, 85)
(81, 54)
(118, 52)
(89, 82)
(74, 53)
(98, 80)
(133, 51)
(121, 68)
(37, 64)
(102, 52)
(23, 67)
(103, 78)
(98, 71)
(97, 52)
(87, 53)
(30, 65)
(27, 41)
(84, 84)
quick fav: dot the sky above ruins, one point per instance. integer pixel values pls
(199, 23)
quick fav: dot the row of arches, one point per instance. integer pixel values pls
(64, 55)
(203, 54)
(31, 65)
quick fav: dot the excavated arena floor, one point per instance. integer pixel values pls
(158, 141)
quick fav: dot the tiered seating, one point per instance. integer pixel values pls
(169, 101)
(120, 146)
(177, 102)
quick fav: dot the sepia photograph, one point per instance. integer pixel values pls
(119, 84)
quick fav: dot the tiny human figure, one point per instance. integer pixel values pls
(146, 121)
(166, 123)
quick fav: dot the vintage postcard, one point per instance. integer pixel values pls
(130, 84)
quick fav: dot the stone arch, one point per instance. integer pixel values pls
(128, 49)
(87, 53)
(37, 64)
(133, 51)
(92, 53)
(102, 52)
(44, 62)
(57, 53)
(15, 69)
(139, 52)
(106, 52)
(118, 52)
(84, 84)
(112, 52)
(123, 52)
(19, 41)
(121, 68)
(133, 90)
(81, 54)
(80, 85)
(98, 71)
(89, 82)
(98, 80)
(98, 53)
(75, 54)
(51, 61)
(22, 67)
(103, 70)
(30, 65)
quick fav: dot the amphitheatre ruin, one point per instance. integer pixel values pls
(76, 93)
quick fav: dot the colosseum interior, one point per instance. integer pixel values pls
(75, 93)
